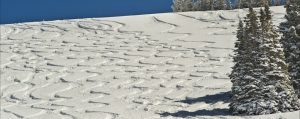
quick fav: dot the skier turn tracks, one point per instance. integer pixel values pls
(114, 68)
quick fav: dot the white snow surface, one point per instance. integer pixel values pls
(156, 66)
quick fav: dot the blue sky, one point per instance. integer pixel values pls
(15, 11)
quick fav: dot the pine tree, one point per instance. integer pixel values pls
(269, 2)
(205, 5)
(277, 2)
(237, 4)
(256, 3)
(182, 5)
(240, 67)
(296, 66)
(189, 5)
(298, 30)
(292, 11)
(244, 83)
(221, 5)
(177, 5)
(197, 5)
(290, 42)
(239, 51)
(294, 56)
(278, 87)
(228, 4)
(242, 4)
(260, 78)
(245, 3)
(212, 4)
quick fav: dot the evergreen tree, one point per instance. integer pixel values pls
(182, 5)
(177, 5)
(277, 2)
(298, 30)
(292, 14)
(256, 3)
(206, 5)
(242, 4)
(239, 52)
(296, 66)
(212, 4)
(238, 4)
(197, 5)
(245, 3)
(244, 82)
(240, 67)
(277, 77)
(294, 56)
(229, 4)
(221, 5)
(260, 78)
(290, 42)
(270, 2)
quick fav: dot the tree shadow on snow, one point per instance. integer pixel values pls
(211, 99)
(204, 112)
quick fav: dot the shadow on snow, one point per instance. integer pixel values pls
(211, 99)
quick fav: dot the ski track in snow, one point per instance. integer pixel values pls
(172, 65)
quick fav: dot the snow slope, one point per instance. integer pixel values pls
(157, 66)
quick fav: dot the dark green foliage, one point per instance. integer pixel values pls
(290, 41)
(260, 78)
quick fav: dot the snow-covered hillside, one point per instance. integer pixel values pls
(158, 66)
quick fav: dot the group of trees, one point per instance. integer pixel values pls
(204, 5)
(266, 74)
(291, 41)
(200, 5)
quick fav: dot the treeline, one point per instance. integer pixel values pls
(204, 5)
